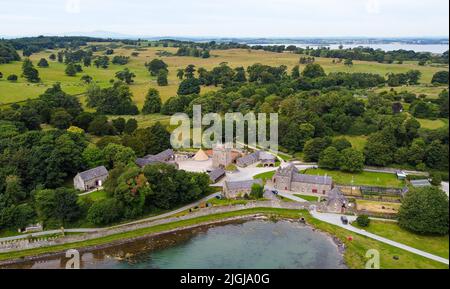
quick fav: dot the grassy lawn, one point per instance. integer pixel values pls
(96, 196)
(227, 202)
(364, 178)
(433, 124)
(437, 245)
(429, 90)
(265, 176)
(354, 255)
(358, 142)
(145, 121)
(378, 207)
(308, 198)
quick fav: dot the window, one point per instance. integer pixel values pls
(314, 191)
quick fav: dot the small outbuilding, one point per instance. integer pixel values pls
(420, 183)
(336, 201)
(401, 175)
(216, 175)
(201, 156)
(91, 179)
(239, 189)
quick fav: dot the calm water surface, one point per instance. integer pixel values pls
(250, 245)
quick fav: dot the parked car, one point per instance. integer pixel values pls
(344, 220)
(275, 192)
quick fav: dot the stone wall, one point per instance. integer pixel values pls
(25, 244)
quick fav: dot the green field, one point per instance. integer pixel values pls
(361, 179)
(95, 196)
(21, 90)
(437, 245)
(308, 198)
(433, 124)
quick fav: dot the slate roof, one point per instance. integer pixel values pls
(216, 174)
(248, 159)
(308, 179)
(336, 195)
(243, 185)
(265, 156)
(420, 183)
(93, 173)
(152, 159)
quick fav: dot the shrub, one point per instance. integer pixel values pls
(363, 221)
(105, 212)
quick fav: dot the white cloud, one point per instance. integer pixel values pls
(73, 6)
(373, 7)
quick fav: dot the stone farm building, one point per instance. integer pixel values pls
(337, 202)
(238, 189)
(167, 156)
(91, 179)
(222, 156)
(216, 175)
(266, 159)
(290, 179)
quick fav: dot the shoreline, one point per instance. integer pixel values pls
(340, 247)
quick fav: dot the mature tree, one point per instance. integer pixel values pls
(313, 70)
(93, 156)
(116, 100)
(425, 211)
(189, 86)
(43, 63)
(155, 66)
(131, 191)
(295, 72)
(71, 70)
(126, 76)
(118, 155)
(119, 124)
(120, 60)
(100, 126)
(87, 79)
(314, 147)
(162, 78)
(189, 71)
(29, 72)
(341, 144)
(440, 77)
(257, 192)
(60, 204)
(61, 119)
(180, 73)
(330, 158)
(130, 126)
(380, 148)
(152, 102)
(348, 62)
(12, 78)
(102, 62)
(105, 212)
(352, 160)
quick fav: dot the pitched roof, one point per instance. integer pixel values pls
(420, 183)
(336, 195)
(159, 158)
(309, 179)
(265, 156)
(216, 174)
(201, 156)
(243, 185)
(248, 159)
(93, 173)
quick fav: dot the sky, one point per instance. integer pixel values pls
(227, 18)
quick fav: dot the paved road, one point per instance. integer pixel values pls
(336, 220)
(46, 233)
(162, 216)
(291, 197)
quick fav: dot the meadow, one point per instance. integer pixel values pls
(11, 92)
